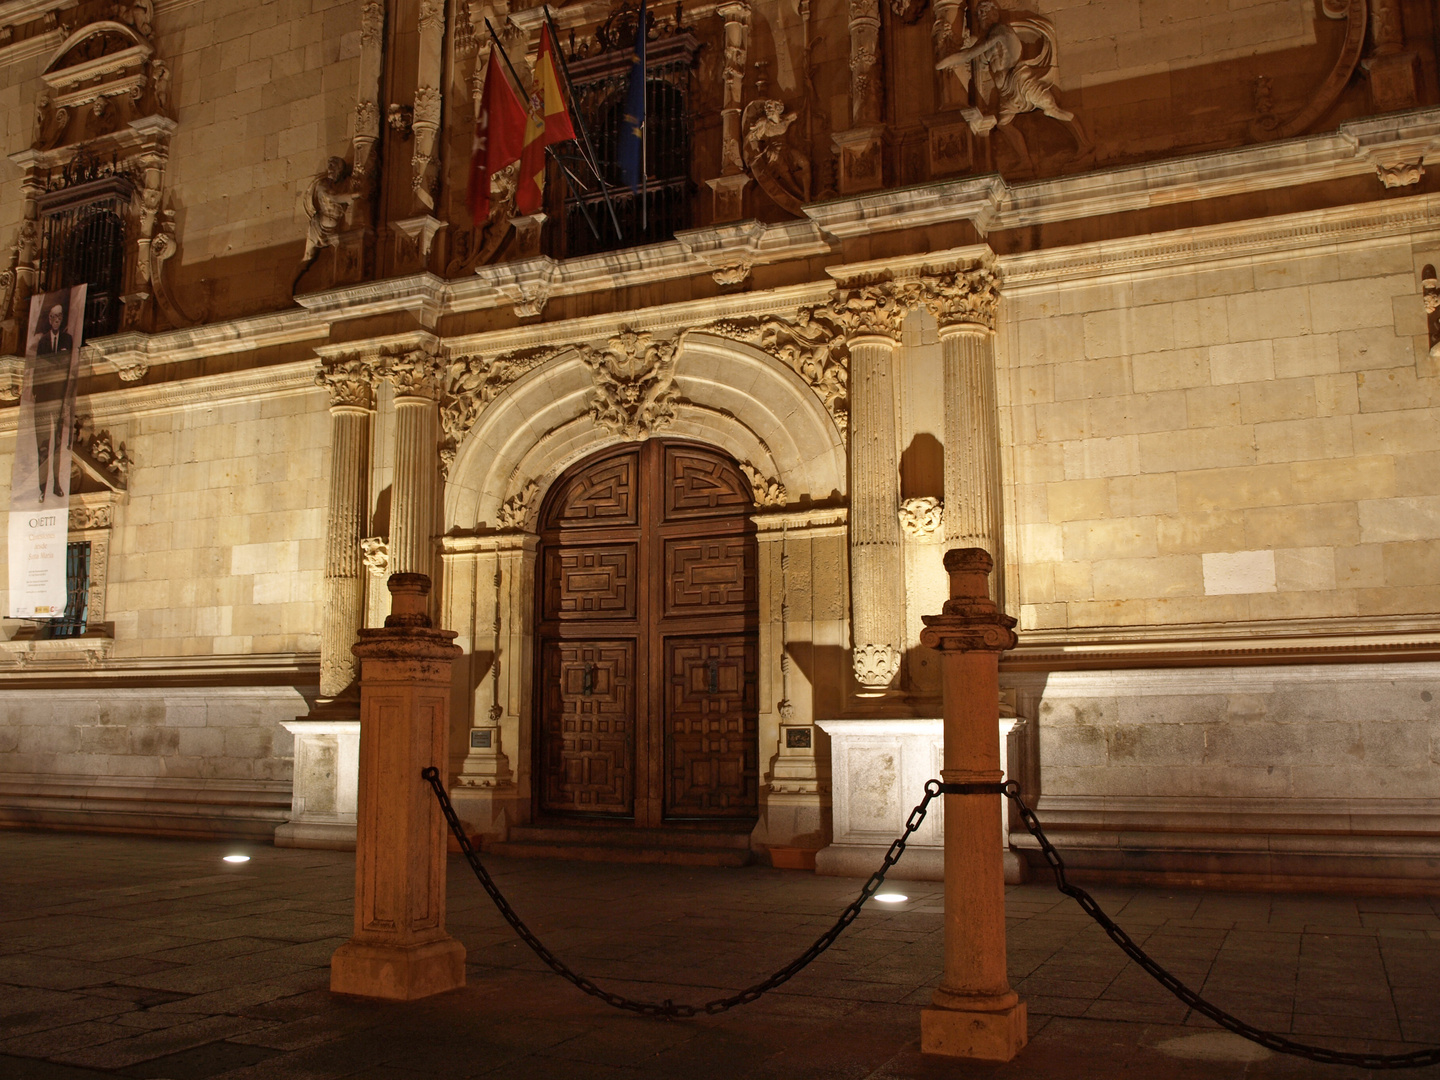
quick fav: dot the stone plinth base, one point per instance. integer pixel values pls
(398, 973)
(319, 835)
(983, 1036)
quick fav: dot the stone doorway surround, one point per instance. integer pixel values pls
(553, 407)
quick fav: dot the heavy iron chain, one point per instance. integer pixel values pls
(1011, 790)
(1415, 1060)
(669, 1009)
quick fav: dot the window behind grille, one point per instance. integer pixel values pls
(77, 594)
(668, 189)
(82, 241)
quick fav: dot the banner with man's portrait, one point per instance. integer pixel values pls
(40, 482)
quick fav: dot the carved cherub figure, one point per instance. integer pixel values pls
(327, 204)
(996, 59)
(782, 172)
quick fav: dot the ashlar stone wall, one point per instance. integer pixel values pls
(1220, 444)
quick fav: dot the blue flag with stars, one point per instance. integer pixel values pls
(630, 147)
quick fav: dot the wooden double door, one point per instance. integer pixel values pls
(647, 695)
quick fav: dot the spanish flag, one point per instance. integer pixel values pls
(549, 122)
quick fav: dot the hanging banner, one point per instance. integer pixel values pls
(40, 483)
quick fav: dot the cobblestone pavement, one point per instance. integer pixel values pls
(148, 958)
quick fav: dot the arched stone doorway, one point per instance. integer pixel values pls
(646, 696)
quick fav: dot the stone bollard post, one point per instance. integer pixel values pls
(400, 950)
(974, 1013)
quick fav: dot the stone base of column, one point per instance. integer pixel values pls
(982, 1036)
(398, 972)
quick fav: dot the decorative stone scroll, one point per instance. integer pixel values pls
(518, 511)
(472, 383)
(635, 394)
(766, 490)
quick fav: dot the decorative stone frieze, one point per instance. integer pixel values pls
(518, 511)
(91, 517)
(767, 491)
(922, 519)
(634, 375)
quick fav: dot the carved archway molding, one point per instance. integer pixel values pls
(724, 392)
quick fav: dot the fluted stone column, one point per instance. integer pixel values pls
(872, 317)
(350, 381)
(414, 493)
(963, 303)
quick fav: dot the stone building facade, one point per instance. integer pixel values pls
(1138, 298)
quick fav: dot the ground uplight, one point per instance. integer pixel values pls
(237, 858)
(891, 897)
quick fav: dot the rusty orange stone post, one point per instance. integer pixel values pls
(974, 1013)
(400, 950)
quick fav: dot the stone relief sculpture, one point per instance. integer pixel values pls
(923, 519)
(780, 170)
(1007, 81)
(635, 394)
(375, 553)
(516, 512)
(472, 382)
(767, 490)
(327, 205)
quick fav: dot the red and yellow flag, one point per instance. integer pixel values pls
(548, 122)
(500, 134)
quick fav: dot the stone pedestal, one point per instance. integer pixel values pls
(400, 950)
(974, 1013)
(728, 197)
(326, 785)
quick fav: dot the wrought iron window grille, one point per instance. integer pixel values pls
(77, 594)
(83, 229)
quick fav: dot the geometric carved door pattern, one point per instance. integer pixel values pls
(647, 613)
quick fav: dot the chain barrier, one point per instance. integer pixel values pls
(669, 1009)
(1011, 790)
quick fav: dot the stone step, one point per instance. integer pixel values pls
(623, 853)
(685, 844)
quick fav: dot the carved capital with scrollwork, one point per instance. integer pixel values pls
(350, 379)
(416, 370)
(877, 310)
(959, 297)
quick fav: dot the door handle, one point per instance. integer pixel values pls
(714, 666)
(587, 681)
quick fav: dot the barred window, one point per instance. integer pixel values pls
(77, 594)
(82, 239)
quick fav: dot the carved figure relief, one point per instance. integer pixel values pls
(1007, 81)
(1430, 289)
(780, 170)
(375, 553)
(327, 205)
(635, 394)
(923, 519)
(472, 382)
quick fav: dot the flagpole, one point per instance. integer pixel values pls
(644, 119)
(590, 158)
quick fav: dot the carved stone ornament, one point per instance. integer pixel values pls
(634, 375)
(960, 296)
(111, 456)
(812, 345)
(350, 380)
(908, 11)
(877, 310)
(517, 511)
(766, 490)
(737, 274)
(414, 371)
(780, 170)
(875, 665)
(375, 552)
(327, 207)
(1007, 82)
(472, 382)
(1399, 175)
(91, 517)
(432, 15)
(923, 519)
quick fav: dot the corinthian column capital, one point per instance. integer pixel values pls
(350, 379)
(416, 370)
(877, 310)
(960, 298)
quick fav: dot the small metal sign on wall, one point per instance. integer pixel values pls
(40, 481)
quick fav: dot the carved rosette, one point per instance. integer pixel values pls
(350, 381)
(877, 310)
(922, 519)
(960, 297)
(634, 376)
(875, 665)
(517, 511)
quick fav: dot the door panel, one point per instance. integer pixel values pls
(589, 727)
(648, 703)
(710, 727)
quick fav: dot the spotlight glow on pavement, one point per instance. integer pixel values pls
(237, 858)
(891, 897)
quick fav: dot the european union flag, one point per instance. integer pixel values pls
(630, 147)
